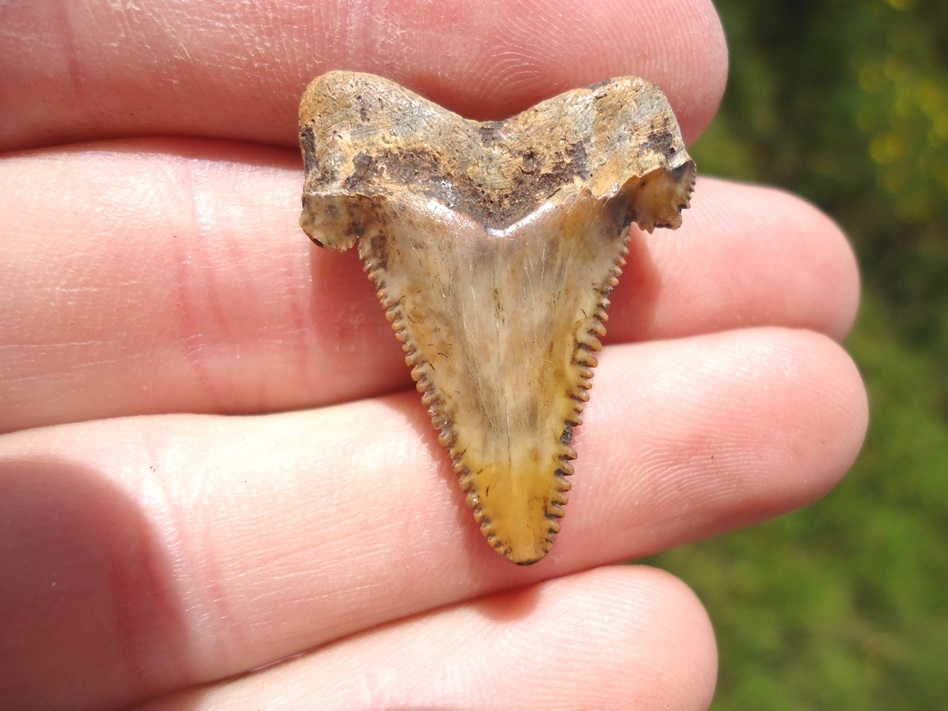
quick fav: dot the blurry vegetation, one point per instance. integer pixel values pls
(845, 605)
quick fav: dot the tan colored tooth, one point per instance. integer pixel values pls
(494, 247)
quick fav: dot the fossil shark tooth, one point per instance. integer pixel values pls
(494, 248)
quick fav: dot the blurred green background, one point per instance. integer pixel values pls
(845, 605)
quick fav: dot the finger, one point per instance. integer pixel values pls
(192, 548)
(169, 277)
(616, 638)
(108, 69)
(746, 256)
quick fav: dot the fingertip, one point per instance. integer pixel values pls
(680, 634)
(519, 53)
(827, 261)
(118, 73)
(751, 255)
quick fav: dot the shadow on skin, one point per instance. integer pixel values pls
(90, 616)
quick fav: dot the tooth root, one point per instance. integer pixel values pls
(493, 257)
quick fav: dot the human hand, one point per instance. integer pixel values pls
(159, 269)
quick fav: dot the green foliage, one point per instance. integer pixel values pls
(844, 605)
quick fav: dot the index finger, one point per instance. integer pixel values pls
(103, 70)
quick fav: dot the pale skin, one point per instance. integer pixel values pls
(154, 548)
